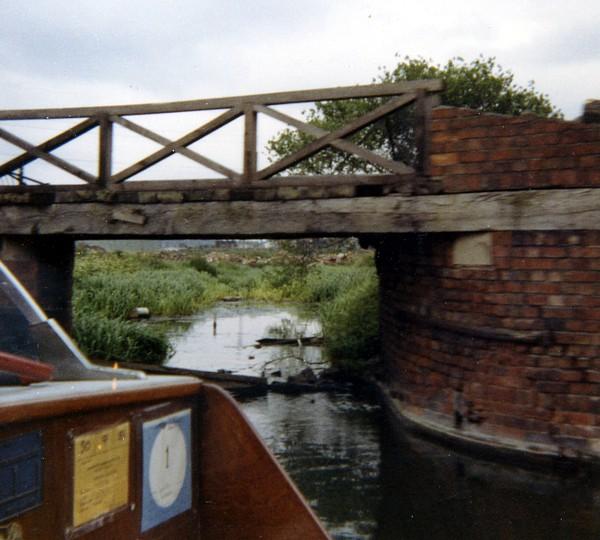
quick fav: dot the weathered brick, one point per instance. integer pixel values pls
(552, 387)
(445, 159)
(519, 383)
(588, 389)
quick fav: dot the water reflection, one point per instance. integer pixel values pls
(369, 481)
(366, 481)
(329, 444)
(429, 492)
(224, 338)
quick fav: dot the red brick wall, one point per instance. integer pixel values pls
(507, 353)
(474, 151)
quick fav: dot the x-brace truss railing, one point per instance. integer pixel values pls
(400, 95)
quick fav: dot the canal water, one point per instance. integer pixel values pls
(364, 478)
(224, 338)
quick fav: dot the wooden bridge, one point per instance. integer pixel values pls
(111, 203)
(489, 322)
(265, 201)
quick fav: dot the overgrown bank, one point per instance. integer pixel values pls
(109, 286)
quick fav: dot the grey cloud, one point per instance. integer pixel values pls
(172, 48)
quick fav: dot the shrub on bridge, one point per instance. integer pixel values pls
(480, 84)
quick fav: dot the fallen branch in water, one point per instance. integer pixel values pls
(269, 342)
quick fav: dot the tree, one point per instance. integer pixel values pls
(481, 84)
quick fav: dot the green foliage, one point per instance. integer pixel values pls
(329, 115)
(89, 262)
(109, 285)
(351, 322)
(481, 84)
(308, 249)
(324, 283)
(117, 340)
(200, 264)
(285, 276)
(163, 292)
(238, 279)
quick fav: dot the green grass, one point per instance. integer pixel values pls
(350, 322)
(199, 263)
(122, 341)
(90, 262)
(163, 292)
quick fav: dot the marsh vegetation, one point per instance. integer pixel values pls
(109, 286)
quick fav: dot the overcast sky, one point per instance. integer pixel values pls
(66, 53)
(60, 53)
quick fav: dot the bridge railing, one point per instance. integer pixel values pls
(105, 118)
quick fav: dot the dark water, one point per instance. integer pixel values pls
(366, 480)
(329, 444)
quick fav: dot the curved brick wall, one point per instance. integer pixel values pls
(504, 349)
(507, 352)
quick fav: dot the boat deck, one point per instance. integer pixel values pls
(149, 459)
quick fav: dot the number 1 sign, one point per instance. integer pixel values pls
(167, 480)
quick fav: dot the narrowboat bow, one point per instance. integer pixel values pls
(100, 453)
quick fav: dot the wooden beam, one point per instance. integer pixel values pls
(568, 209)
(219, 189)
(190, 154)
(54, 160)
(352, 127)
(344, 145)
(250, 136)
(184, 141)
(301, 96)
(49, 145)
(284, 181)
(420, 125)
(105, 151)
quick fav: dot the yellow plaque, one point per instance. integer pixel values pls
(101, 472)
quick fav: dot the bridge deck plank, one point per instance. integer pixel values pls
(531, 210)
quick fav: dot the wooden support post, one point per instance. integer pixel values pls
(105, 151)
(424, 105)
(250, 157)
(421, 131)
(45, 266)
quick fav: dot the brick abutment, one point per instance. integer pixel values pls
(494, 337)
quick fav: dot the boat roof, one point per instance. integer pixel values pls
(41, 400)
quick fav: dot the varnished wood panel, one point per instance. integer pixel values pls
(244, 493)
(52, 520)
(48, 400)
